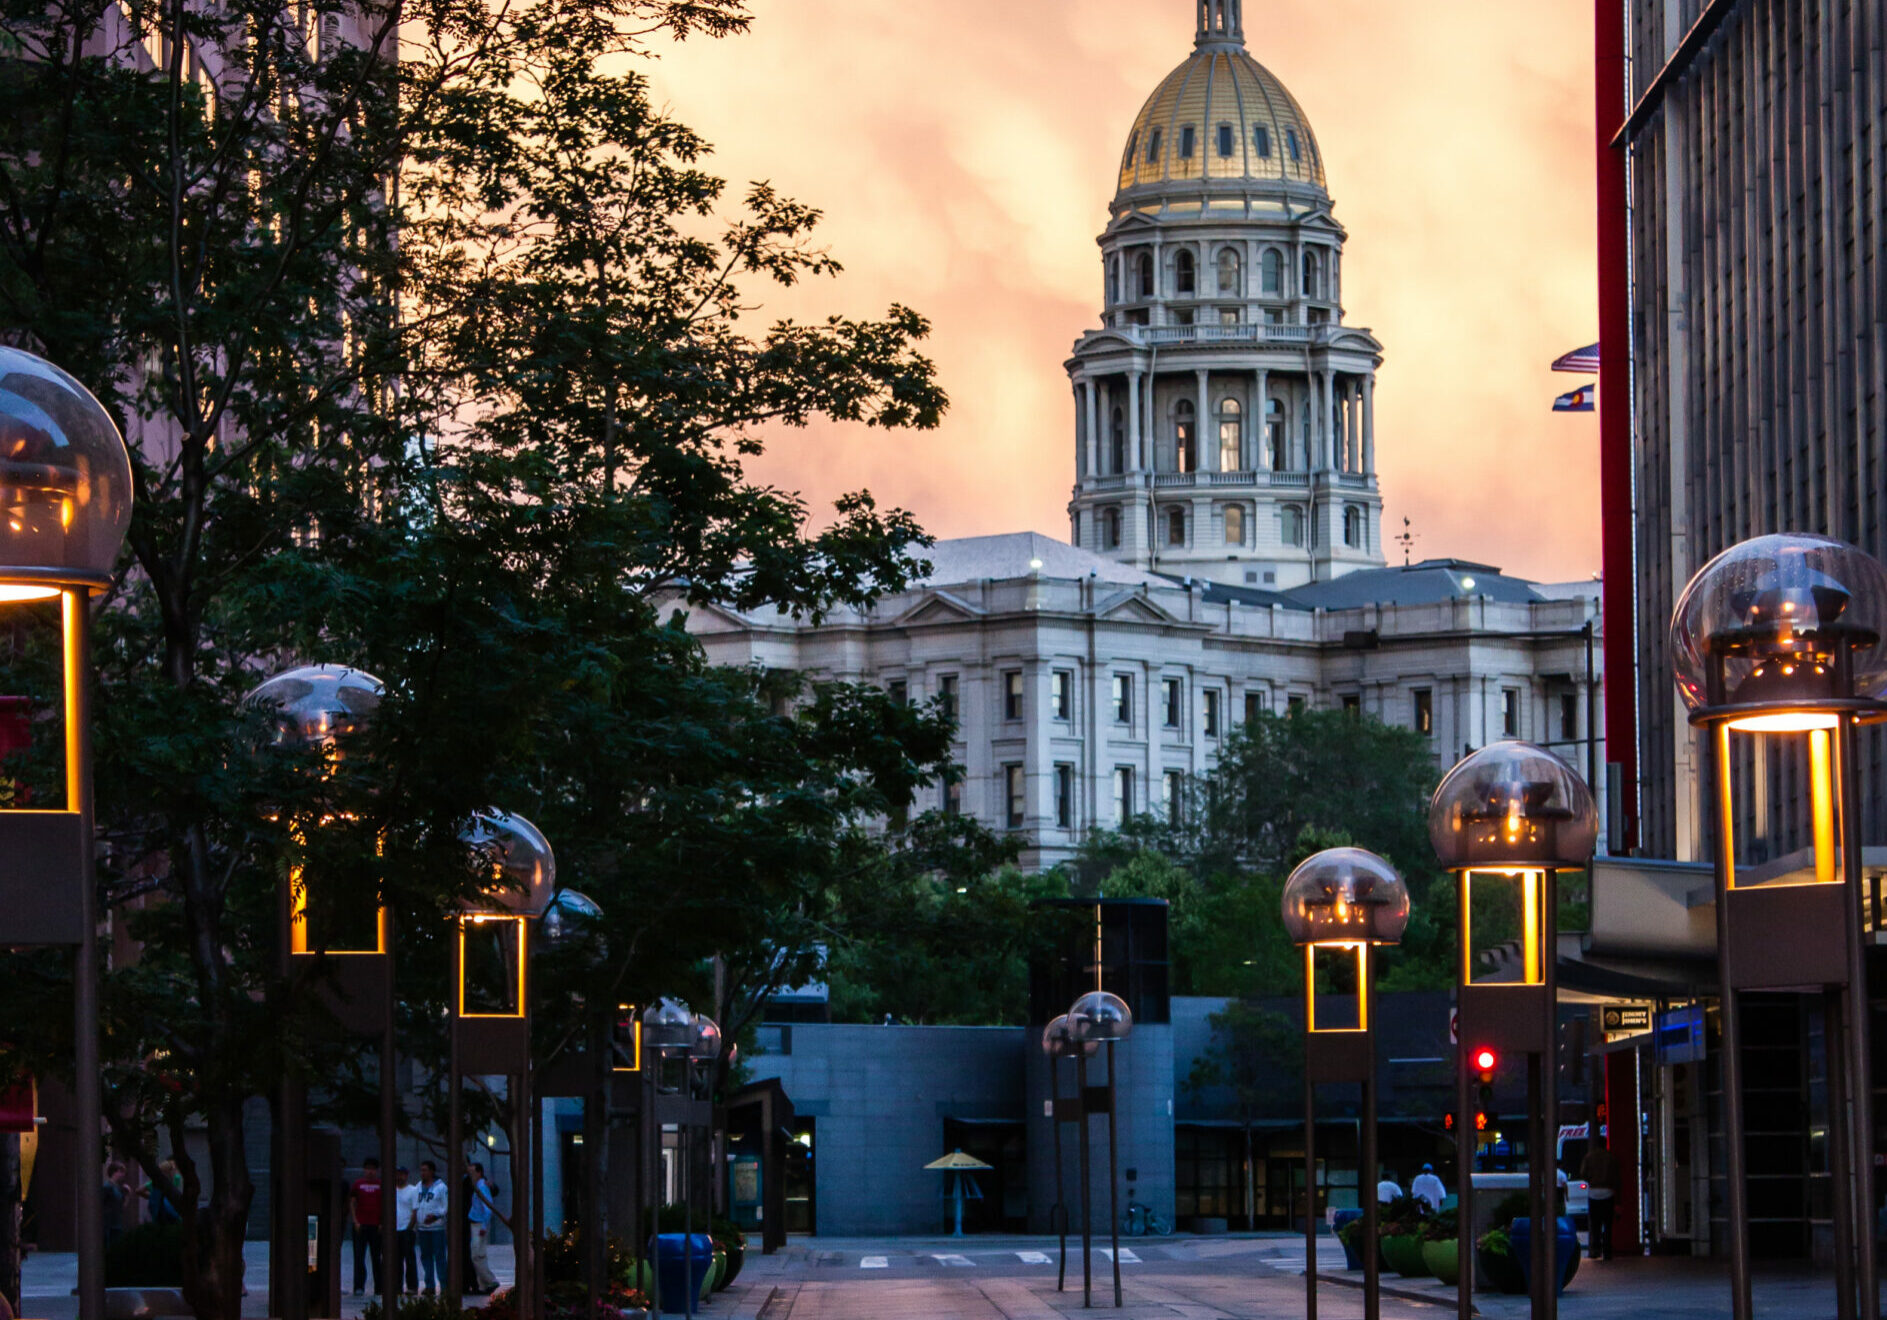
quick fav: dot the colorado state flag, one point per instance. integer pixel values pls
(1580, 400)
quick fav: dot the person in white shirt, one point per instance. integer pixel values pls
(1388, 1189)
(406, 1246)
(431, 1209)
(1427, 1187)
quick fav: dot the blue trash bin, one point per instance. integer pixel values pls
(682, 1262)
(1567, 1242)
(1352, 1258)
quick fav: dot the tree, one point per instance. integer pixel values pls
(468, 431)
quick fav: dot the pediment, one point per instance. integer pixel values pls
(1131, 607)
(708, 618)
(939, 607)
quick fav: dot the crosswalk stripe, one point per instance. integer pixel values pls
(1127, 1256)
(950, 1260)
(874, 1263)
(1032, 1257)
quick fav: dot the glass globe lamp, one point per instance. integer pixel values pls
(1345, 896)
(1058, 1039)
(1098, 1016)
(668, 1027)
(1513, 806)
(314, 705)
(568, 918)
(705, 1046)
(522, 868)
(1779, 632)
(65, 481)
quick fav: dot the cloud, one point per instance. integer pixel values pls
(964, 153)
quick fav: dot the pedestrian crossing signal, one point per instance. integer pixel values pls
(1480, 1120)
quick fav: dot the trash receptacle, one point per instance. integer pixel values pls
(682, 1261)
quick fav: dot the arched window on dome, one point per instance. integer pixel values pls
(1231, 437)
(1261, 141)
(1235, 524)
(1117, 441)
(1185, 434)
(1133, 145)
(1353, 526)
(1229, 272)
(1290, 145)
(1188, 136)
(1153, 146)
(1110, 529)
(1313, 281)
(1273, 265)
(1145, 264)
(1291, 525)
(1176, 526)
(1185, 272)
(1228, 141)
(1277, 453)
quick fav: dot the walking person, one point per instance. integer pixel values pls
(405, 1243)
(1388, 1189)
(116, 1193)
(478, 1213)
(1427, 1187)
(363, 1211)
(1600, 1171)
(432, 1201)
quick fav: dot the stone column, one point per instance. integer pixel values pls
(1205, 440)
(1091, 415)
(1369, 424)
(1353, 425)
(1133, 419)
(1329, 415)
(1261, 419)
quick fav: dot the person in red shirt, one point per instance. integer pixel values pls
(363, 1210)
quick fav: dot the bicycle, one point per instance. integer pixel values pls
(1144, 1221)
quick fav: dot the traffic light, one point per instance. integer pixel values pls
(1448, 1121)
(1485, 1061)
(1480, 1120)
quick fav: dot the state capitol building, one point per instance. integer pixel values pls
(1225, 547)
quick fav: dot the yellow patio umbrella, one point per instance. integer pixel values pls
(960, 1181)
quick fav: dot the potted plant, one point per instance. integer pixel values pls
(1441, 1246)
(1400, 1229)
(1350, 1236)
(729, 1237)
(1494, 1253)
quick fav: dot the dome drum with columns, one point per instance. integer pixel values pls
(1224, 414)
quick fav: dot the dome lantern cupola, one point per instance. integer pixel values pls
(1221, 22)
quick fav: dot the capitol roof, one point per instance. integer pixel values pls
(1422, 583)
(1020, 554)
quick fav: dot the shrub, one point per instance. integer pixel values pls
(1402, 1217)
(1441, 1226)
(417, 1308)
(1495, 1242)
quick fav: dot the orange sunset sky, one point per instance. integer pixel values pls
(964, 154)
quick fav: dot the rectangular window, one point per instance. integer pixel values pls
(947, 694)
(1228, 316)
(1012, 795)
(1123, 793)
(1123, 699)
(1012, 695)
(1187, 137)
(1294, 702)
(1510, 712)
(1235, 518)
(1174, 696)
(1062, 694)
(1064, 797)
(1173, 786)
(899, 690)
(1424, 711)
(1212, 712)
(1569, 717)
(953, 799)
(1226, 139)
(1255, 705)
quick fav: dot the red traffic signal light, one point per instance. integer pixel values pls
(1484, 1062)
(1480, 1120)
(1448, 1121)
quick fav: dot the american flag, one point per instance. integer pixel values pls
(1583, 360)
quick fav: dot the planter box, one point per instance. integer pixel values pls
(1443, 1259)
(1403, 1255)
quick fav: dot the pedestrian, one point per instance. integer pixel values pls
(1600, 1171)
(115, 1193)
(478, 1213)
(431, 1211)
(363, 1211)
(160, 1194)
(405, 1247)
(1388, 1189)
(1427, 1187)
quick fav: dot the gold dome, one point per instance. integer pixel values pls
(1245, 127)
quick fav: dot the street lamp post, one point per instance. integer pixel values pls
(676, 1034)
(570, 922)
(1056, 1045)
(491, 1018)
(1099, 1017)
(1778, 653)
(65, 493)
(1516, 812)
(1345, 901)
(318, 707)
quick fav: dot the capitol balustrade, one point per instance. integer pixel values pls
(1251, 478)
(1245, 332)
